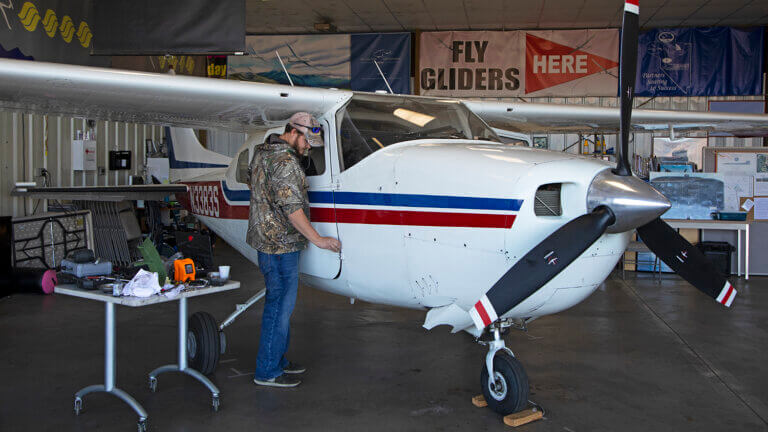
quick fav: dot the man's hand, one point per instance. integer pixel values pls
(301, 223)
(328, 243)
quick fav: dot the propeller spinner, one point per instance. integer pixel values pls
(617, 202)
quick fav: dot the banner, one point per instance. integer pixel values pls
(147, 27)
(390, 51)
(216, 67)
(181, 65)
(713, 61)
(519, 63)
(56, 31)
(339, 60)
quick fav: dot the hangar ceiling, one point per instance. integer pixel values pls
(300, 16)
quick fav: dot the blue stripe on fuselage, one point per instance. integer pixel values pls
(409, 200)
(395, 200)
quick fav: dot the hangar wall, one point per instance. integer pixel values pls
(29, 142)
(643, 141)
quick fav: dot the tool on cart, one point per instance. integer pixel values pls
(152, 260)
(83, 263)
(184, 270)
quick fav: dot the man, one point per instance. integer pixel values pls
(278, 228)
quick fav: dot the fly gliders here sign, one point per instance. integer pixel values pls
(519, 63)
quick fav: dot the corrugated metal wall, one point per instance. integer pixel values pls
(31, 142)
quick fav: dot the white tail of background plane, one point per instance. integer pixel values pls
(187, 158)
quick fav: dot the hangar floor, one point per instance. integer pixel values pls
(641, 354)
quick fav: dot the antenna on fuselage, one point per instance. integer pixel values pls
(284, 69)
(383, 77)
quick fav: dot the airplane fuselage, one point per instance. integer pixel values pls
(430, 223)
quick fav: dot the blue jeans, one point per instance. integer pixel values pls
(281, 276)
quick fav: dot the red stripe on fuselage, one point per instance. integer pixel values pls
(415, 218)
(207, 199)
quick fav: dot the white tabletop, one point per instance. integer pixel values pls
(707, 224)
(97, 294)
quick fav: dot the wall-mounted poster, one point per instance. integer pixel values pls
(677, 151)
(540, 142)
(693, 195)
(762, 163)
(737, 163)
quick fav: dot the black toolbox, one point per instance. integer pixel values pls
(719, 254)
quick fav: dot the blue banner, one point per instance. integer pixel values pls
(320, 60)
(713, 61)
(392, 53)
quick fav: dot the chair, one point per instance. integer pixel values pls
(638, 246)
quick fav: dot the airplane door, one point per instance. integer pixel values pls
(314, 261)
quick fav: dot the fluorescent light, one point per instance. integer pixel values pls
(414, 117)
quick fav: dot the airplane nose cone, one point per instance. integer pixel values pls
(633, 201)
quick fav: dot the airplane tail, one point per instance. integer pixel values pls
(187, 158)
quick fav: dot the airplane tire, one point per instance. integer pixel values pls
(203, 343)
(509, 392)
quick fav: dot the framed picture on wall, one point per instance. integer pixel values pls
(541, 142)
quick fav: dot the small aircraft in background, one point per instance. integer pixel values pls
(433, 211)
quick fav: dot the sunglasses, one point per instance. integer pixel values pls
(315, 130)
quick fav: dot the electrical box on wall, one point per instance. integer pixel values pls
(119, 160)
(84, 155)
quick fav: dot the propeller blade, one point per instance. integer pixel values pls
(686, 260)
(627, 72)
(540, 265)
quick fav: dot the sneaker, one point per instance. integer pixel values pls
(294, 368)
(281, 381)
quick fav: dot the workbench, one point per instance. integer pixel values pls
(706, 224)
(110, 301)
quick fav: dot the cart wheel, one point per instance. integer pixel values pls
(222, 342)
(203, 343)
(78, 406)
(142, 425)
(216, 403)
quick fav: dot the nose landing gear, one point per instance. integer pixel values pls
(503, 379)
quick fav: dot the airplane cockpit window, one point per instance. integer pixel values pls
(518, 142)
(370, 122)
(241, 174)
(314, 164)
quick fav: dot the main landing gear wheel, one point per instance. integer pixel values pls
(203, 343)
(507, 392)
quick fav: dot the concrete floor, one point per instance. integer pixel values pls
(643, 354)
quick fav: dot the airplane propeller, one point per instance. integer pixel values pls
(542, 263)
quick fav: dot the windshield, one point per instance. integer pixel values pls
(371, 122)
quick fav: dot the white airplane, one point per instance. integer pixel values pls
(433, 211)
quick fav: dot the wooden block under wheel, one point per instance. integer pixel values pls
(522, 417)
(479, 401)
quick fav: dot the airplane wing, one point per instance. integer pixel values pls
(140, 97)
(536, 117)
(150, 192)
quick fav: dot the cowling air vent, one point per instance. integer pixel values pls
(547, 202)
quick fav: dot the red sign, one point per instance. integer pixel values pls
(548, 63)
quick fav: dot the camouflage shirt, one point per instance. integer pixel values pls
(278, 188)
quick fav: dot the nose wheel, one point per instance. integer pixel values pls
(503, 380)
